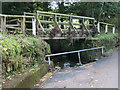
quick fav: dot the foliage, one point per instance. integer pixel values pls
(19, 53)
(16, 7)
(102, 11)
(41, 6)
(107, 40)
(21, 7)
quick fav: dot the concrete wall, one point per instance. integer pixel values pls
(28, 79)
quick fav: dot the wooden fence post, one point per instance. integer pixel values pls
(114, 30)
(82, 27)
(106, 28)
(23, 25)
(98, 27)
(56, 24)
(39, 23)
(71, 25)
(34, 26)
(5, 30)
(3, 25)
(88, 32)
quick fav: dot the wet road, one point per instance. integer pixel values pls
(102, 74)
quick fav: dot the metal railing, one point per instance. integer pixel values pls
(78, 51)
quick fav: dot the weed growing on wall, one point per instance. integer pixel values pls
(19, 53)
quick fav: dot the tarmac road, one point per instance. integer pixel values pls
(101, 74)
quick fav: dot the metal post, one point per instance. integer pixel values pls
(114, 30)
(34, 26)
(49, 60)
(98, 27)
(102, 51)
(106, 28)
(79, 58)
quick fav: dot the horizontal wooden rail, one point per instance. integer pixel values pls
(13, 28)
(27, 13)
(107, 23)
(13, 20)
(16, 16)
(13, 25)
(106, 27)
(52, 21)
(65, 23)
(59, 14)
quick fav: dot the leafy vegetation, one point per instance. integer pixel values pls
(21, 53)
(107, 40)
(102, 11)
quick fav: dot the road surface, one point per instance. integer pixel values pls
(102, 74)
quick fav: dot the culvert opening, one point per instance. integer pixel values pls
(65, 60)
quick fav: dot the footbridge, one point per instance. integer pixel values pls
(48, 25)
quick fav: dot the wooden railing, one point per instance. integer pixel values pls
(61, 24)
(106, 27)
(14, 22)
(48, 24)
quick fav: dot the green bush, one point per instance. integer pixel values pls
(107, 40)
(20, 53)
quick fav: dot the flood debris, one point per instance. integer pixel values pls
(57, 68)
(66, 64)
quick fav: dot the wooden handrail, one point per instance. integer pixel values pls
(16, 16)
(107, 23)
(41, 19)
(65, 15)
